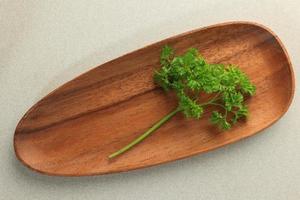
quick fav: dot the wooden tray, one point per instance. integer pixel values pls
(72, 130)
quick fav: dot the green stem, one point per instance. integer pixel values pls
(217, 104)
(145, 134)
(215, 98)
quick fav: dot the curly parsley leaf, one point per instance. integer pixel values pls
(190, 76)
(220, 120)
(189, 107)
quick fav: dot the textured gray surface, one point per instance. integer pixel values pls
(46, 43)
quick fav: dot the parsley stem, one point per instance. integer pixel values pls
(217, 104)
(211, 101)
(145, 134)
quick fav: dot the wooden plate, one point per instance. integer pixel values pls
(72, 130)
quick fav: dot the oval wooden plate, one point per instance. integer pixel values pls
(72, 130)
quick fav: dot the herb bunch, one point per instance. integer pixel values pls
(191, 78)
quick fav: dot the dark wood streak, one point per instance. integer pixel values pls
(72, 130)
(83, 114)
(267, 40)
(110, 80)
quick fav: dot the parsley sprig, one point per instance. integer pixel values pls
(192, 78)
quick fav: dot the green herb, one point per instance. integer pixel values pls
(191, 77)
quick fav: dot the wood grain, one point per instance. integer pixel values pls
(71, 131)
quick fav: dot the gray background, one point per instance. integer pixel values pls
(46, 43)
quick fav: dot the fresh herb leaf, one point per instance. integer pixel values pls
(232, 99)
(166, 55)
(220, 120)
(240, 113)
(190, 76)
(189, 107)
